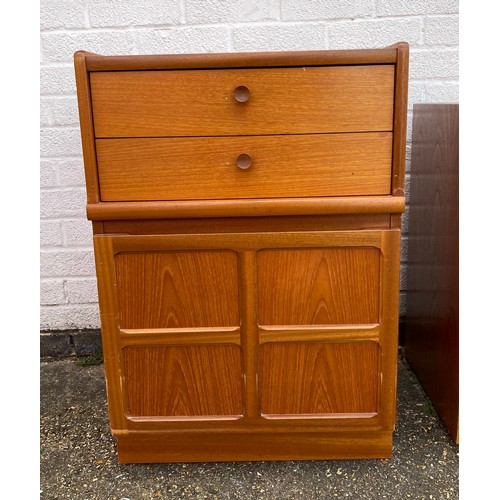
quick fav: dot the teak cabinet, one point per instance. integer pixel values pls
(246, 211)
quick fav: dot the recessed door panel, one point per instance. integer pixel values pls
(183, 381)
(318, 286)
(177, 289)
(315, 379)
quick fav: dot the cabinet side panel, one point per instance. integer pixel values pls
(319, 378)
(183, 380)
(86, 127)
(319, 286)
(400, 118)
(177, 289)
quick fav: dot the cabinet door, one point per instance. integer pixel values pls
(170, 330)
(251, 327)
(327, 318)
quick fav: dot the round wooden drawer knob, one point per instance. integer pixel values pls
(244, 161)
(241, 93)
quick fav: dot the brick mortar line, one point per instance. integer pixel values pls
(63, 218)
(59, 127)
(228, 24)
(55, 64)
(422, 49)
(57, 97)
(74, 157)
(60, 189)
(68, 303)
(76, 248)
(45, 95)
(66, 218)
(47, 250)
(77, 278)
(72, 277)
(60, 157)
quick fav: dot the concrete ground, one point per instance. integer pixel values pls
(79, 461)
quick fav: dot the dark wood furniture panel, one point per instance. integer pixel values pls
(431, 324)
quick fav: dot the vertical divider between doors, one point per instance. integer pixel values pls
(249, 331)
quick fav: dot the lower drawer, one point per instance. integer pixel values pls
(150, 169)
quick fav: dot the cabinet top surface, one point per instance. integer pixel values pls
(96, 62)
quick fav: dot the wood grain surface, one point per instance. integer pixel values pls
(185, 209)
(195, 446)
(247, 314)
(400, 119)
(180, 336)
(140, 406)
(96, 62)
(318, 286)
(177, 289)
(86, 127)
(432, 297)
(281, 166)
(252, 224)
(108, 309)
(282, 101)
(319, 333)
(179, 381)
(249, 241)
(301, 378)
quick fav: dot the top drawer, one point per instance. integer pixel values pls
(279, 101)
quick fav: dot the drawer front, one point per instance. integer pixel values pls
(278, 166)
(280, 101)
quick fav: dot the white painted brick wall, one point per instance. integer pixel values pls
(326, 9)
(189, 39)
(126, 13)
(231, 11)
(283, 36)
(67, 285)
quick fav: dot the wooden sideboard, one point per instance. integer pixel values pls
(246, 211)
(431, 323)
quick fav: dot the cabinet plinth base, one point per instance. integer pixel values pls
(161, 447)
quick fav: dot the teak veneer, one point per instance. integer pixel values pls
(246, 211)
